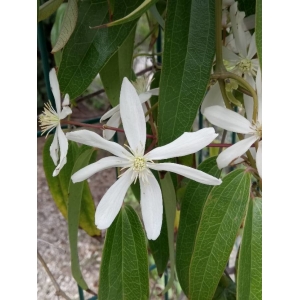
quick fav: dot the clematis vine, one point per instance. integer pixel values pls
(142, 87)
(50, 120)
(138, 164)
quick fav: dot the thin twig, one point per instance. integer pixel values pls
(222, 140)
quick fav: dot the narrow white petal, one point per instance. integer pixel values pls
(55, 88)
(66, 101)
(147, 95)
(249, 22)
(187, 172)
(110, 113)
(227, 119)
(111, 202)
(187, 143)
(133, 117)
(54, 148)
(248, 103)
(93, 139)
(259, 94)
(259, 159)
(145, 109)
(152, 206)
(230, 56)
(235, 151)
(114, 121)
(213, 97)
(63, 150)
(65, 112)
(252, 47)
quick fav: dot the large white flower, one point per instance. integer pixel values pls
(142, 87)
(138, 163)
(50, 119)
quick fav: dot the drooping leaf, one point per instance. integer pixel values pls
(48, 8)
(88, 50)
(191, 210)
(118, 67)
(258, 30)
(250, 257)
(124, 266)
(221, 218)
(226, 289)
(67, 26)
(189, 48)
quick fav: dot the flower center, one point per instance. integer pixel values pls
(258, 128)
(245, 65)
(49, 118)
(139, 164)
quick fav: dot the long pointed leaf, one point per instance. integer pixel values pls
(48, 8)
(258, 30)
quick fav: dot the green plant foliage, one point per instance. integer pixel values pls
(249, 277)
(124, 267)
(189, 48)
(258, 30)
(48, 8)
(226, 289)
(248, 6)
(221, 218)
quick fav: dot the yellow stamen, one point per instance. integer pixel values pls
(49, 118)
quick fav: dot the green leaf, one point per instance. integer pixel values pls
(88, 50)
(59, 186)
(189, 49)
(220, 221)
(67, 26)
(48, 8)
(74, 206)
(154, 99)
(124, 267)
(157, 16)
(258, 30)
(226, 289)
(132, 16)
(248, 6)
(191, 209)
(118, 67)
(249, 278)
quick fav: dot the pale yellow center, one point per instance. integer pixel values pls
(139, 164)
(49, 118)
(245, 65)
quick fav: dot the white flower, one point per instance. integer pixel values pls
(50, 119)
(141, 87)
(232, 121)
(139, 163)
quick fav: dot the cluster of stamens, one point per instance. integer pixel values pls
(139, 164)
(258, 129)
(245, 65)
(49, 118)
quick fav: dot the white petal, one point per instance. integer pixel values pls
(235, 151)
(65, 112)
(187, 172)
(66, 101)
(93, 139)
(110, 113)
(249, 78)
(145, 109)
(133, 117)
(55, 88)
(230, 56)
(63, 150)
(213, 97)
(187, 143)
(102, 164)
(152, 207)
(252, 47)
(249, 22)
(111, 202)
(227, 119)
(54, 148)
(248, 103)
(114, 121)
(259, 159)
(259, 95)
(147, 95)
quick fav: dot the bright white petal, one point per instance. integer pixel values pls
(249, 22)
(93, 139)
(65, 112)
(187, 172)
(187, 143)
(152, 207)
(145, 110)
(55, 88)
(111, 202)
(235, 151)
(252, 47)
(114, 121)
(227, 119)
(54, 148)
(259, 94)
(133, 117)
(102, 164)
(63, 150)
(66, 100)
(259, 159)
(248, 103)
(110, 113)
(147, 95)
(213, 97)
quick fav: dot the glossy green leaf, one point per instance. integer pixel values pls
(74, 206)
(189, 49)
(48, 8)
(258, 30)
(226, 289)
(88, 50)
(221, 218)
(67, 26)
(249, 278)
(118, 67)
(248, 6)
(154, 99)
(59, 186)
(132, 16)
(124, 265)
(190, 215)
